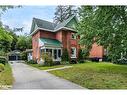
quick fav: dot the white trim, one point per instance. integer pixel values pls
(74, 36)
(35, 31)
(56, 29)
(58, 58)
(75, 51)
(64, 28)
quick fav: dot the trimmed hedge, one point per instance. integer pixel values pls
(1, 67)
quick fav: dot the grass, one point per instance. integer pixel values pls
(6, 78)
(94, 75)
(45, 67)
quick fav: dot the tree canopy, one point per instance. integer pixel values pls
(64, 12)
(24, 42)
(5, 40)
(105, 25)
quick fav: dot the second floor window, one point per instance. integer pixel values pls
(73, 36)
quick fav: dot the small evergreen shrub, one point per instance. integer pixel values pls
(65, 55)
(48, 61)
(1, 67)
(32, 62)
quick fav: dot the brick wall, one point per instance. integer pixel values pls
(35, 45)
(96, 51)
(65, 38)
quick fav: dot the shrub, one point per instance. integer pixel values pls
(32, 62)
(3, 60)
(80, 56)
(24, 55)
(106, 59)
(95, 59)
(64, 62)
(47, 59)
(65, 55)
(73, 61)
(56, 63)
(122, 61)
(1, 67)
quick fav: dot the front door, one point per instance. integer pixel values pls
(57, 54)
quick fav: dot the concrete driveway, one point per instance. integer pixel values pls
(27, 77)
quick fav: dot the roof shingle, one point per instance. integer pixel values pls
(38, 23)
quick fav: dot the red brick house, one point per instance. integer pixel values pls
(53, 38)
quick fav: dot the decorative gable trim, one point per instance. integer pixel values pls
(36, 28)
(35, 31)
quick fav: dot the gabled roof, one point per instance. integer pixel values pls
(50, 42)
(49, 26)
(64, 23)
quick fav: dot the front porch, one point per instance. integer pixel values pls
(56, 53)
(52, 46)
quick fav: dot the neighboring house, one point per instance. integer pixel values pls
(53, 38)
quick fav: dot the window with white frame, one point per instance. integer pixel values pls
(73, 52)
(59, 53)
(73, 36)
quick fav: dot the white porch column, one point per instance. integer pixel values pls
(57, 52)
(52, 53)
(45, 50)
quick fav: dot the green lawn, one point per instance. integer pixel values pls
(94, 75)
(6, 78)
(45, 67)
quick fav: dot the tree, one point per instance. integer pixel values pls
(15, 37)
(4, 8)
(64, 12)
(14, 41)
(105, 25)
(5, 40)
(24, 42)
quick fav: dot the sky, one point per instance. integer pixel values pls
(22, 17)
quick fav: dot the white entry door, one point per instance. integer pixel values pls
(57, 54)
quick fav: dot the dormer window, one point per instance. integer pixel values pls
(73, 36)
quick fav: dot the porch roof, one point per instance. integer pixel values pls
(50, 42)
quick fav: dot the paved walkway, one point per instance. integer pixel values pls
(60, 68)
(27, 77)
